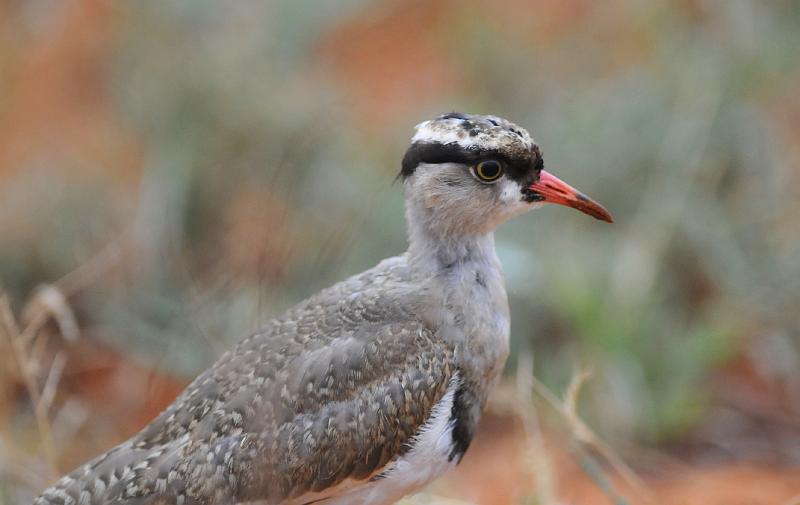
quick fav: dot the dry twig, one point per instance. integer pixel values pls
(20, 342)
(28, 345)
(585, 438)
(27, 349)
(546, 486)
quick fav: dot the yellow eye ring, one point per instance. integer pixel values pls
(489, 170)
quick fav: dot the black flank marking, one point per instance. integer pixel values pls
(462, 432)
(380, 476)
(479, 280)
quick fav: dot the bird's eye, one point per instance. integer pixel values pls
(489, 170)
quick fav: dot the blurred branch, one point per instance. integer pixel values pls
(51, 383)
(49, 302)
(89, 271)
(546, 486)
(19, 340)
(585, 439)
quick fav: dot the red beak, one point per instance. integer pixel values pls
(554, 190)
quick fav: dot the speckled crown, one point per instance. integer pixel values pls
(467, 138)
(473, 131)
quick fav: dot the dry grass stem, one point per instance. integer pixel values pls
(28, 345)
(50, 302)
(536, 453)
(51, 383)
(585, 438)
(28, 348)
(17, 340)
(96, 266)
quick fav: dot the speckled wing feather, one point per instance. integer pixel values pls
(327, 394)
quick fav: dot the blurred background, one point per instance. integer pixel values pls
(173, 174)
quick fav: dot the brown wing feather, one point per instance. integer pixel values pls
(331, 391)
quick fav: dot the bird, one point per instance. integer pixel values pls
(372, 388)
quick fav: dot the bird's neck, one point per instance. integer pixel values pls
(435, 249)
(463, 275)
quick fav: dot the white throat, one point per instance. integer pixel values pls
(435, 249)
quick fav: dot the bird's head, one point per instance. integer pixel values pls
(472, 172)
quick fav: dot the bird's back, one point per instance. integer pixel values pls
(321, 398)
